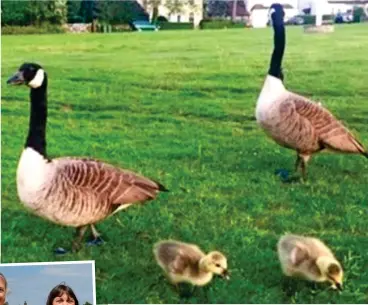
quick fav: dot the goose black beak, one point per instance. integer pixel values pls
(16, 79)
(225, 274)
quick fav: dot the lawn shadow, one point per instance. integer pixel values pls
(8, 98)
(86, 79)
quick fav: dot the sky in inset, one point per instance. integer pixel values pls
(33, 283)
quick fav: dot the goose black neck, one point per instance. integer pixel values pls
(278, 51)
(37, 125)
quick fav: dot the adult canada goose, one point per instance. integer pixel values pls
(70, 191)
(309, 258)
(184, 262)
(294, 121)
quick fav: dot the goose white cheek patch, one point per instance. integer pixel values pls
(37, 81)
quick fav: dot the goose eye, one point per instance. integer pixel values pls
(218, 265)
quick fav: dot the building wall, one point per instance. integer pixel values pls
(327, 7)
(259, 17)
(189, 13)
(268, 3)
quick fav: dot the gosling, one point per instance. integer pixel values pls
(184, 262)
(310, 259)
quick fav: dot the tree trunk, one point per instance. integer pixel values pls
(235, 5)
(93, 26)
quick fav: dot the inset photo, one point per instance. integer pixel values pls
(61, 283)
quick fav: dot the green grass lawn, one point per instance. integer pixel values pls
(179, 107)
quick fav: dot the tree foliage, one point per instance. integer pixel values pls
(217, 8)
(73, 7)
(14, 13)
(33, 12)
(175, 6)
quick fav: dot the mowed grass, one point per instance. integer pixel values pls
(179, 107)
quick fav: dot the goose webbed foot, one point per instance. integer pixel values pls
(60, 251)
(286, 177)
(95, 241)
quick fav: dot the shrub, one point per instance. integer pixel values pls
(23, 30)
(358, 13)
(162, 19)
(175, 25)
(219, 24)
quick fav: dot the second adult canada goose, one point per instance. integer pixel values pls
(70, 191)
(183, 262)
(309, 258)
(294, 121)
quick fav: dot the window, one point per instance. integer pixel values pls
(179, 18)
(191, 17)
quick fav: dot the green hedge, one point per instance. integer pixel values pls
(21, 30)
(311, 19)
(175, 25)
(219, 24)
(358, 14)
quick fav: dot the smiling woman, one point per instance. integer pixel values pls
(62, 295)
(3, 288)
(48, 283)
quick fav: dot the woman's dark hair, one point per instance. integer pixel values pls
(60, 290)
(5, 281)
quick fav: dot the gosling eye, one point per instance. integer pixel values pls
(218, 265)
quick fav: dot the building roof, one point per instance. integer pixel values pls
(241, 9)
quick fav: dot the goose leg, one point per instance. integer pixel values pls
(95, 233)
(76, 245)
(97, 240)
(297, 163)
(304, 160)
(301, 162)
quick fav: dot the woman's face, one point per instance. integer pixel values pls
(64, 299)
(2, 291)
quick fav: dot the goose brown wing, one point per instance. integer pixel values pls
(113, 185)
(330, 132)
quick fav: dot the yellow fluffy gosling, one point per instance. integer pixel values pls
(184, 262)
(309, 258)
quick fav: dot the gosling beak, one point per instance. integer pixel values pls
(338, 286)
(225, 274)
(16, 79)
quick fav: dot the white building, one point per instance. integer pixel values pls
(259, 11)
(331, 6)
(190, 10)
